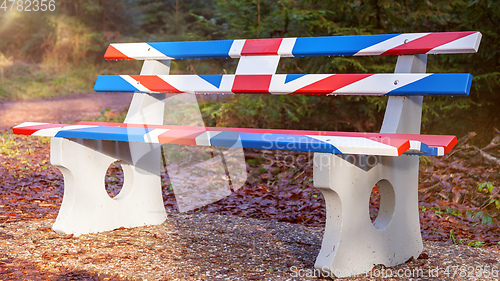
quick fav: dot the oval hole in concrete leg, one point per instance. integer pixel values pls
(382, 204)
(374, 203)
(114, 179)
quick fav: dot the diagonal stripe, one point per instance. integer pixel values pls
(113, 54)
(114, 83)
(457, 84)
(467, 44)
(106, 133)
(332, 83)
(194, 49)
(154, 83)
(291, 77)
(426, 43)
(336, 45)
(356, 145)
(152, 136)
(186, 137)
(212, 79)
(388, 44)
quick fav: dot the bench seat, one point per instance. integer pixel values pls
(298, 140)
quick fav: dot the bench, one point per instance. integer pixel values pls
(347, 165)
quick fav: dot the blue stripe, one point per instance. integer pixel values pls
(106, 133)
(194, 49)
(272, 141)
(212, 79)
(226, 139)
(291, 77)
(336, 46)
(113, 83)
(441, 84)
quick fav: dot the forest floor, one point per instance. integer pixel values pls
(459, 204)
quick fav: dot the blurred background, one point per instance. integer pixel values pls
(58, 53)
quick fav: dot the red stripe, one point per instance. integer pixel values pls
(258, 84)
(186, 137)
(29, 130)
(261, 47)
(426, 43)
(154, 83)
(113, 54)
(331, 83)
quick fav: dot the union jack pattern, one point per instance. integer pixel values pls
(425, 84)
(359, 45)
(313, 141)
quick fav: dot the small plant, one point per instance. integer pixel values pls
(485, 185)
(476, 243)
(425, 160)
(485, 217)
(454, 212)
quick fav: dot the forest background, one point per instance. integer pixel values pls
(57, 53)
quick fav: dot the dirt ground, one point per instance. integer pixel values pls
(68, 109)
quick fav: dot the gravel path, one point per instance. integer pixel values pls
(60, 110)
(214, 247)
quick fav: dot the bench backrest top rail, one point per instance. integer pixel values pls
(399, 84)
(358, 45)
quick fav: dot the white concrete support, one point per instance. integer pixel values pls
(352, 244)
(86, 206)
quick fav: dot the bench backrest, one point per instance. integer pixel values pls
(359, 45)
(259, 58)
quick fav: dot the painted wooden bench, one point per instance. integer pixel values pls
(346, 165)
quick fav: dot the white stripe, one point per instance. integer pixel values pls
(467, 44)
(29, 124)
(190, 84)
(440, 151)
(357, 145)
(51, 132)
(415, 145)
(136, 84)
(204, 138)
(380, 84)
(140, 51)
(236, 47)
(278, 85)
(152, 136)
(257, 65)
(386, 45)
(226, 85)
(286, 47)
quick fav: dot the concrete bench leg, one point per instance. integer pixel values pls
(351, 243)
(86, 206)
